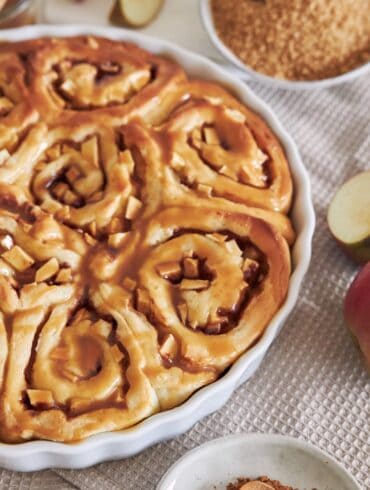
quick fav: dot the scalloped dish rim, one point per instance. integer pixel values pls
(38, 455)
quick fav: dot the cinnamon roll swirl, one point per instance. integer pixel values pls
(144, 235)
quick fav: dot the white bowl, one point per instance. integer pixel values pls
(36, 455)
(245, 72)
(291, 461)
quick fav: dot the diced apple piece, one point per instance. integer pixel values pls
(4, 155)
(64, 275)
(53, 153)
(39, 398)
(191, 268)
(169, 347)
(48, 270)
(228, 172)
(60, 189)
(357, 310)
(211, 136)
(116, 239)
(143, 300)
(193, 284)
(169, 270)
(205, 189)
(177, 162)
(6, 242)
(70, 198)
(6, 105)
(115, 225)
(349, 217)
(125, 158)
(18, 258)
(90, 239)
(217, 237)
(183, 312)
(133, 208)
(233, 247)
(78, 404)
(249, 264)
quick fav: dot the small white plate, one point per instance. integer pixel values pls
(293, 462)
(245, 72)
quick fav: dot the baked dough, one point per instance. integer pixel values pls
(144, 235)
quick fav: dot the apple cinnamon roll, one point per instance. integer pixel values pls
(85, 176)
(72, 373)
(86, 75)
(180, 176)
(176, 281)
(212, 140)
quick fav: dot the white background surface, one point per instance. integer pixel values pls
(179, 21)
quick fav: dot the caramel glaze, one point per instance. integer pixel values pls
(89, 359)
(46, 61)
(88, 351)
(104, 240)
(89, 354)
(24, 212)
(230, 318)
(202, 105)
(131, 268)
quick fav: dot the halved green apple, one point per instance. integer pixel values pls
(135, 13)
(349, 217)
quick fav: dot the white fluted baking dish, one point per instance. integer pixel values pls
(36, 455)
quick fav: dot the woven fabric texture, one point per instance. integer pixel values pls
(312, 384)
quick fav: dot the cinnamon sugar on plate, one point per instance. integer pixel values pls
(296, 39)
(273, 484)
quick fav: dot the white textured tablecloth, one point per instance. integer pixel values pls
(312, 384)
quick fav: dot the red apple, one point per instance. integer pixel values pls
(357, 310)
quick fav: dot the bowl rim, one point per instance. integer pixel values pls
(223, 443)
(246, 71)
(37, 455)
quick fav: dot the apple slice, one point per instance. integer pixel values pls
(135, 13)
(349, 217)
(357, 310)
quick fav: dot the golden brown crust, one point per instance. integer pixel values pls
(16, 110)
(71, 79)
(229, 147)
(185, 180)
(118, 232)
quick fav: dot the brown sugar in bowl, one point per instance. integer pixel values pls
(294, 44)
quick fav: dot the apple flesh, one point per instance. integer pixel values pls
(135, 13)
(349, 217)
(357, 310)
